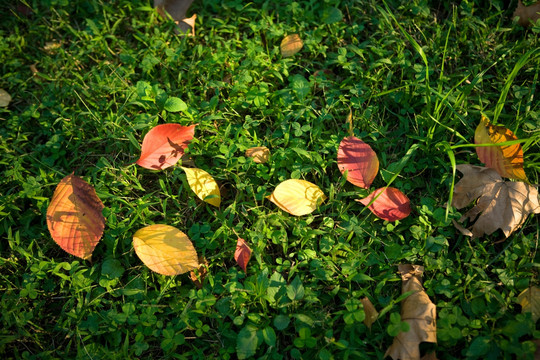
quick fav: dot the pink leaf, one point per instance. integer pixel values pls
(359, 160)
(242, 253)
(163, 146)
(391, 205)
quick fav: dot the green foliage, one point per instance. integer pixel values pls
(415, 90)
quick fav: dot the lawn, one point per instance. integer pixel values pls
(412, 79)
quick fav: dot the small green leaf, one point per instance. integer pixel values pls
(174, 104)
(295, 291)
(269, 336)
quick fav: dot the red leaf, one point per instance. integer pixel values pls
(74, 217)
(392, 205)
(163, 146)
(359, 160)
(242, 253)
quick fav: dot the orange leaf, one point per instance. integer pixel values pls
(359, 160)
(74, 217)
(507, 160)
(391, 205)
(163, 146)
(260, 154)
(242, 253)
(290, 45)
(165, 249)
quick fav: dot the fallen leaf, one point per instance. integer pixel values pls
(5, 98)
(198, 275)
(391, 205)
(242, 253)
(529, 299)
(359, 161)
(506, 159)
(527, 14)
(260, 154)
(177, 9)
(297, 197)
(203, 185)
(50, 46)
(165, 249)
(417, 310)
(370, 311)
(74, 217)
(501, 204)
(164, 145)
(290, 45)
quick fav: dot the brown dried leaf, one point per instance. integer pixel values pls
(529, 299)
(260, 154)
(177, 9)
(419, 312)
(501, 204)
(198, 275)
(370, 311)
(527, 14)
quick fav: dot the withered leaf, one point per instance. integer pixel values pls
(419, 312)
(370, 311)
(177, 9)
(5, 98)
(260, 154)
(290, 45)
(529, 299)
(198, 275)
(501, 204)
(527, 14)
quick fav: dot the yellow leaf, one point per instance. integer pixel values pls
(290, 45)
(507, 160)
(297, 197)
(529, 299)
(165, 249)
(203, 185)
(5, 98)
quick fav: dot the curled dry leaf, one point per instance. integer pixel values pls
(165, 249)
(371, 313)
(418, 311)
(74, 217)
(297, 197)
(529, 299)
(501, 204)
(5, 98)
(391, 205)
(198, 275)
(506, 159)
(260, 154)
(177, 9)
(242, 253)
(359, 161)
(290, 45)
(203, 185)
(528, 15)
(164, 145)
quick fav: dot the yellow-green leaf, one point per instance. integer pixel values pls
(165, 249)
(203, 185)
(297, 197)
(290, 45)
(529, 299)
(507, 160)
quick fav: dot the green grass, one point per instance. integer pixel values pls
(416, 74)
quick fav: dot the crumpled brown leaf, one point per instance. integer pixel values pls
(527, 14)
(177, 9)
(501, 204)
(371, 313)
(419, 312)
